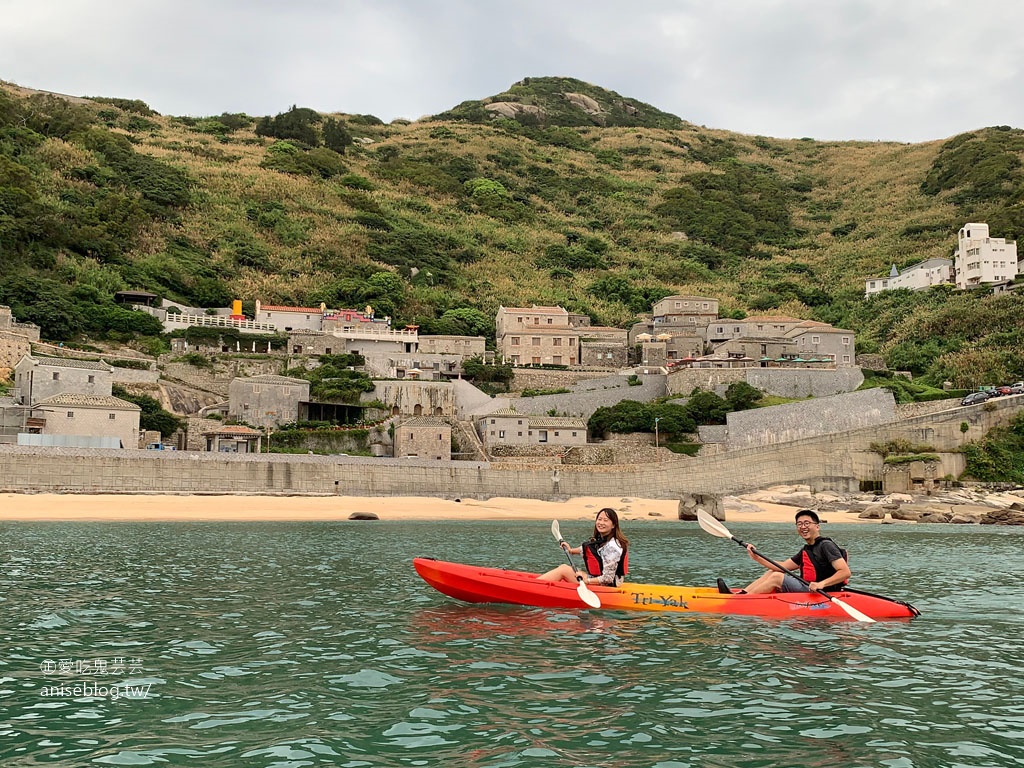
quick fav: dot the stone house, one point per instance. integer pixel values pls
(86, 421)
(760, 351)
(603, 347)
(682, 315)
(821, 340)
(266, 401)
(39, 378)
(15, 338)
(414, 398)
(426, 437)
(536, 336)
(507, 426)
(233, 438)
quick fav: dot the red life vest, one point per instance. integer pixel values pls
(595, 565)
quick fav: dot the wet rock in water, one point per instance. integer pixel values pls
(363, 516)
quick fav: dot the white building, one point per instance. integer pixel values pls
(918, 277)
(980, 259)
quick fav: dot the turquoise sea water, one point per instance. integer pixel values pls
(315, 644)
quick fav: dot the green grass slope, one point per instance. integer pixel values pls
(439, 222)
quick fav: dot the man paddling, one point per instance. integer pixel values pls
(820, 561)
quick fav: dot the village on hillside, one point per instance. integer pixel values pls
(226, 376)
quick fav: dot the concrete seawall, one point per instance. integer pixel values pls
(838, 461)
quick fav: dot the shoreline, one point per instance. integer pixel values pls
(55, 507)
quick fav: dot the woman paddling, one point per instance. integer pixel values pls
(605, 555)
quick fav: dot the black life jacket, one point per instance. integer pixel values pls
(816, 568)
(595, 565)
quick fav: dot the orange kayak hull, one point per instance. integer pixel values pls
(478, 584)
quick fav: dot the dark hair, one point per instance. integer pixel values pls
(616, 532)
(808, 513)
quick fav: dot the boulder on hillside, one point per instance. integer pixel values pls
(512, 109)
(363, 516)
(584, 102)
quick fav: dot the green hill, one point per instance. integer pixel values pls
(438, 222)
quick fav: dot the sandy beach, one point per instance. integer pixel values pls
(124, 508)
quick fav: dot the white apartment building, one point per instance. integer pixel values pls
(981, 259)
(918, 277)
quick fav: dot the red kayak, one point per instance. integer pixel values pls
(477, 584)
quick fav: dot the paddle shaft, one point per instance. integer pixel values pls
(569, 558)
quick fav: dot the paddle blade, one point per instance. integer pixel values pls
(712, 526)
(555, 530)
(587, 596)
(853, 612)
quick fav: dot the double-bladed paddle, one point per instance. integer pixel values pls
(582, 590)
(715, 528)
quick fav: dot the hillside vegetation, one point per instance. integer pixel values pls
(602, 210)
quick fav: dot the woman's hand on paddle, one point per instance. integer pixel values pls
(752, 551)
(564, 545)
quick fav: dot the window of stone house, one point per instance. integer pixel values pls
(492, 421)
(556, 342)
(815, 339)
(515, 341)
(410, 435)
(112, 416)
(492, 433)
(501, 434)
(535, 340)
(56, 376)
(846, 341)
(92, 379)
(572, 341)
(536, 321)
(519, 319)
(520, 434)
(327, 351)
(720, 329)
(574, 434)
(287, 391)
(520, 422)
(71, 414)
(257, 388)
(549, 321)
(556, 434)
(846, 358)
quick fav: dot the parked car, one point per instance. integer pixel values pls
(1006, 389)
(974, 398)
(1017, 389)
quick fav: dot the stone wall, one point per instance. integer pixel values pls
(13, 347)
(909, 410)
(784, 382)
(808, 418)
(838, 462)
(589, 395)
(133, 375)
(553, 378)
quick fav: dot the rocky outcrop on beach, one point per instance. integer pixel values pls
(975, 505)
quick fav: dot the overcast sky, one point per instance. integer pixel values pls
(905, 70)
